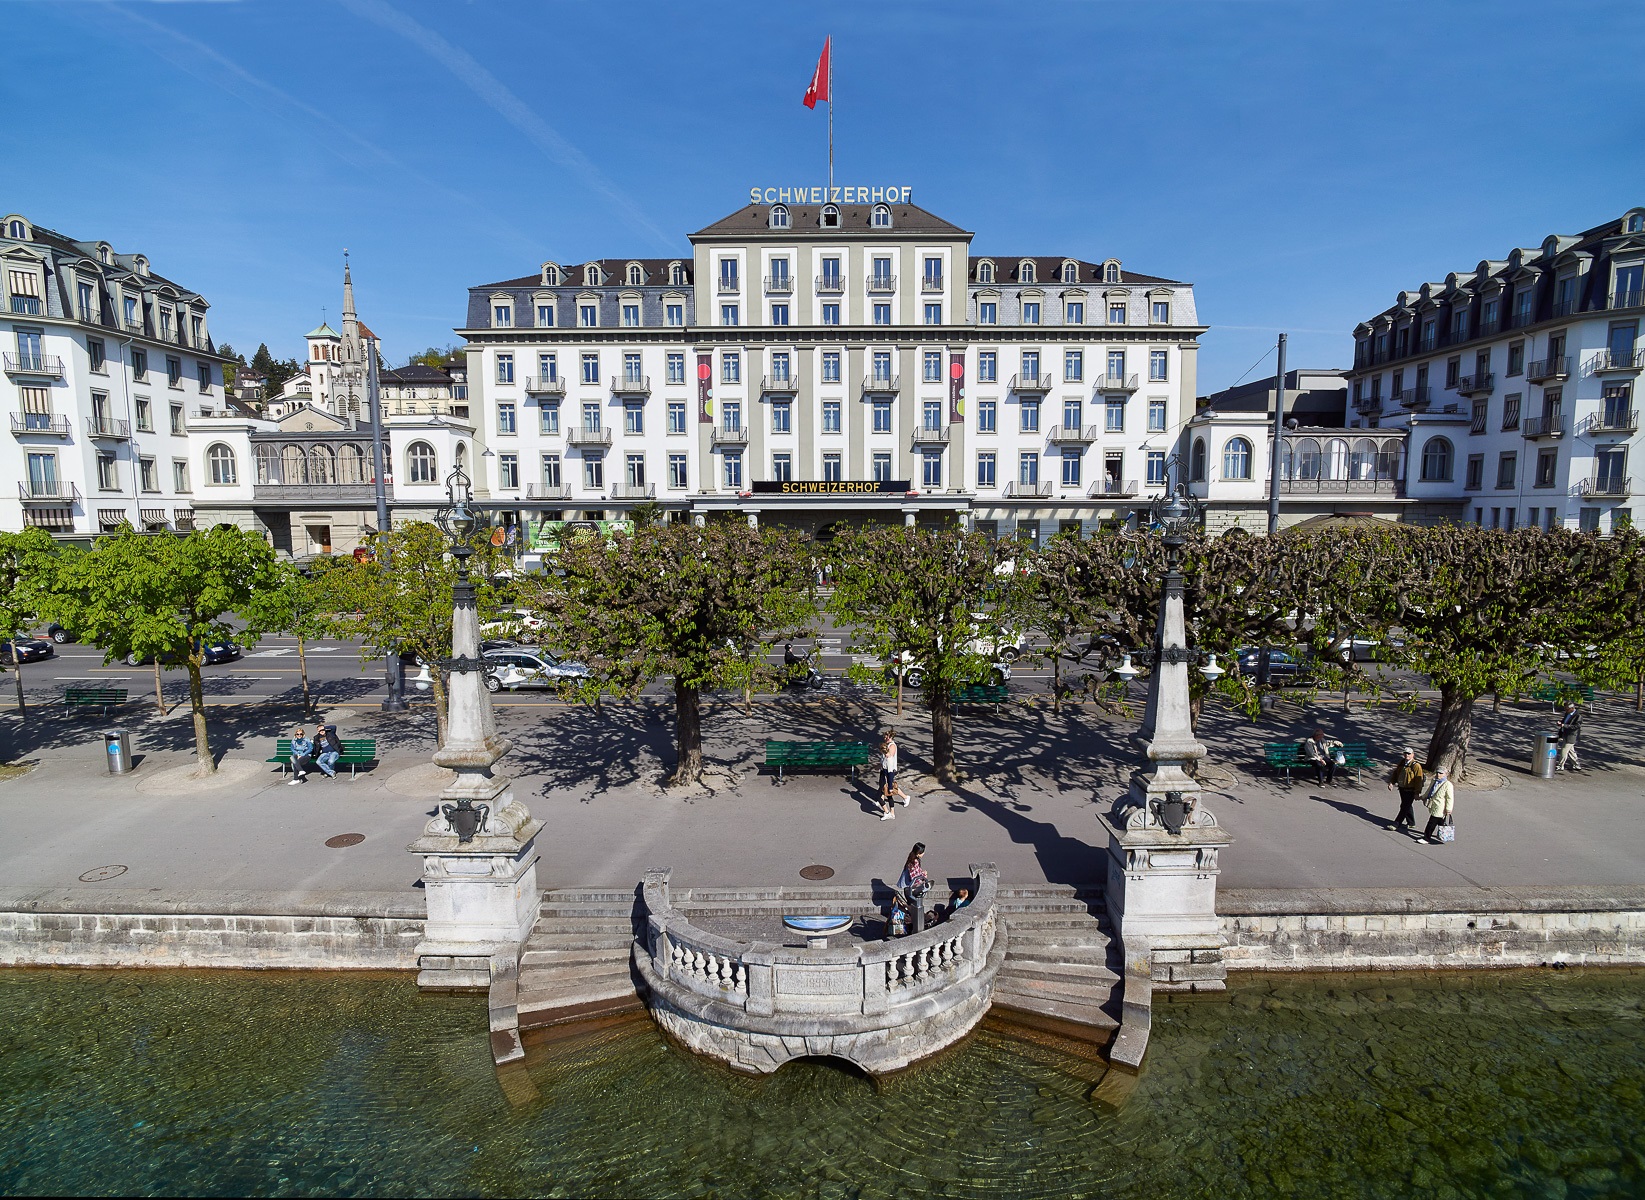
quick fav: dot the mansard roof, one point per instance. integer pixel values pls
(614, 271)
(1048, 270)
(754, 220)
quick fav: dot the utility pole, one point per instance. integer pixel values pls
(1279, 442)
(393, 669)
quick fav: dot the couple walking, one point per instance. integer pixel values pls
(890, 793)
(1438, 799)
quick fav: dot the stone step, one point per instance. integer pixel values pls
(577, 895)
(1054, 923)
(1079, 974)
(1094, 990)
(562, 1010)
(622, 911)
(1080, 1041)
(1076, 1014)
(535, 956)
(1049, 891)
(539, 1000)
(591, 940)
(542, 981)
(1028, 951)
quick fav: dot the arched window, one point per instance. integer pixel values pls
(1288, 460)
(322, 465)
(16, 229)
(1362, 460)
(985, 272)
(1070, 273)
(1336, 459)
(1636, 222)
(882, 217)
(268, 465)
(635, 275)
(551, 274)
(1111, 273)
(591, 274)
(779, 216)
(295, 464)
(829, 217)
(1388, 460)
(220, 462)
(420, 464)
(1436, 460)
(1025, 272)
(103, 254)
(1307, 459)
(1236, 458)
(462, 457)
(1196, 467)
(351, 464)
(676, 275)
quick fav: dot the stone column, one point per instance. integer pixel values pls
(482, 893)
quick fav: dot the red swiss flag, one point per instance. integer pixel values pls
(818, 89)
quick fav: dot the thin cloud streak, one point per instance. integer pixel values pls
(497, 96)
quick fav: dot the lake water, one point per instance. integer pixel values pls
(232, 1083)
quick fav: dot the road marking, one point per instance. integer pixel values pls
(273, 653)
(71, 678)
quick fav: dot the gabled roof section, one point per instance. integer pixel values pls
(323, 331)
(1048, 270)
(754, 220)
(613, 270)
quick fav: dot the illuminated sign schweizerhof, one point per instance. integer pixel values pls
(839, 194)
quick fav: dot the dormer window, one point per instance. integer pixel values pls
(882, 217)
(1111, 272)
(103, 255)
(15, 229)
(676, 274)
(636, 276)
(1070, 273)
(779, 216)
(1635, 223)
(551, 274)
(830, 217)
(1025, 272)
(985, 272)
(591, 274)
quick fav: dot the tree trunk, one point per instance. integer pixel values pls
(1196, 705)
(942, 734)
(159, 691)
(17, 670)
(302, 666)
(1639, 694)
(197, 700)
(1452, 731)
(899, 688)
(688, 735)
(1056, 683)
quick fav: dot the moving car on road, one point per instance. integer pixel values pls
(1283, 666)
(215, 652)
(519, 668)
(26, 650)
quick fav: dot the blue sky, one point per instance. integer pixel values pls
(1298, 162)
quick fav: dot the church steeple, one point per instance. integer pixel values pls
(352, 352)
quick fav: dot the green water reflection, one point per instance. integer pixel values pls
(1512, 1084)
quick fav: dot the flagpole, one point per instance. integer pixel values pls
(830, 119)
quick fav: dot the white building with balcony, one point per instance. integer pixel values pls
(812, 363)
(105, 363)
(1517, 382)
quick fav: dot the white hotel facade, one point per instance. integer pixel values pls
(813, 363)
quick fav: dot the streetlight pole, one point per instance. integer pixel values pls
(394, 674)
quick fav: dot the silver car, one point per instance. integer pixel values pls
(518, 667)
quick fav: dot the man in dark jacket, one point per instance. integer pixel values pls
(1569, 726)
(1407, 777)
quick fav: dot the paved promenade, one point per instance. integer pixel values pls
(1039, 783)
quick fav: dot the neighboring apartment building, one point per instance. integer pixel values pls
(105, 362)
(407, 391)
(812, 363)
(1516, 382)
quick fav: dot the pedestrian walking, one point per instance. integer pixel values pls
(913, 883)
(889, 791)
(1569, 726)
(1407, 777)
(302, 757)
(1324, 754)
(1441, 796)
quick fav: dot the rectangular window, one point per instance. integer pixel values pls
(933, 314)
(631, 315)
(676, 315)
(591, 416)
(1516, 358)
(1587, 520)
(94, 351)
(782, 467)
(831, 468)
(1030, 366)
(505, 418)
(1073, 412)
(551, 471)
(1072, 462)
(1031, 312)
(1030, 416)
(591, 368)
(731, 367)
(1156, 416)
(1510, 411)
(633, 417)
(831, 314)
(1073, 366)
(548, 368)
(731, 416)
(933, 273)
(882, 466)
(779, 314)
(108, 477)
(1074, 312)
(1547, 467)
(831, 279)
(589, 315)
(882, 366)
(985, 416)
(549, 418)
(932, 362)
(148, 475)
(882, 314)
(177, 429)
(508, 471)
(502, 316)
(882, 415)
(139, 365)
(179, 475)
(932, 415)
(1114, 414)
(634, 470)
(677, 479)
(882, 274)
(174, 372)
(1156, 468)
(1028, 467)
(594, 471)
(1116, 312)
(1116, 367)
(145, 415)
(1453, 370)
(1507, 469)
(1162, 312)
(545, 316)
(728, 274)
(931, 469)
(732, 469)
(985, 469)
(782, 416)
(728, 314)
(202, 372)
(1156, 366)
(1476, 472)
(988, 313)
(988, 370)
(676, 368)
(633, 372)
(831, 366)
(831, 416)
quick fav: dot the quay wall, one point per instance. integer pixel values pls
(1382, 929)
(86, 927)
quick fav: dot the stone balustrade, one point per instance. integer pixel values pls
(880, 1005)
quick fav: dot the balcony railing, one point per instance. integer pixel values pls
(1424, 345)
(1476, 385)
(882, 385)
(582, 435)
(931, 283)
(28, 306)
(1030, 383)
(132, 326)
(779, 385)
(882, 284)
(631, 385)
(1316, 487)
(1634, 298)
(925, 435)
(34, 364)
(1026, 491)
(1111, 486)
(1548, 368)
(1117, 383)
(44, 424)
(109, 427)
(1612, 361)
(730, 437)
(1550, 426)
(1564, 308)
(779, 285)
(53, 491)
(537, 386)
(730, 284)
(830, 284)
(1416, 398)
(1072, 434)
(1607, 487)
(547, 491)
(633, 491)
(277, 491)
(1612, 421)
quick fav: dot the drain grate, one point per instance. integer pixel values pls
(345, 839)
(97, 874)
(817, 871)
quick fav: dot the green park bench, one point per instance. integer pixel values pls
(784, 756)
(357, 753)
(91, 696)
(1288, 757)
(1559, 693)
(981, 693)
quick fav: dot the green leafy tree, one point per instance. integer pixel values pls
(277, 370)
(432, 357)
(27, 567)
(297, 605)
(167, 598)
(912, 589)
(232, 362)
(1614, 657)
(703, 604)
(406, 606)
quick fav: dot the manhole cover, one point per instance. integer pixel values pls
(100, 873)
(345, 839)
(817, 872)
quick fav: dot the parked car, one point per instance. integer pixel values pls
(996, 641)
(215, 652)
(539, 668)
(26, 650)
(913, 675)
(1353, 648)
(1284, 666)
(60, 635)
(519, 624)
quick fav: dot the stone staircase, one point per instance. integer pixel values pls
(1060, 986)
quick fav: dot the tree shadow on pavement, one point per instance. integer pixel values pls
(1354, 810)
(1062, 859)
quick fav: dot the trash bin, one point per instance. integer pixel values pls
(117, 742)
(1543, 755)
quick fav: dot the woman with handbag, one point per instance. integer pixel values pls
(914, 883)
(1440, 798)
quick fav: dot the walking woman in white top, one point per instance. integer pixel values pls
(889, 791)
